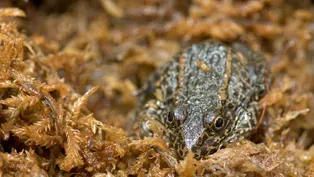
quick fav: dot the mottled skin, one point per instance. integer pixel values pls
(205, 98)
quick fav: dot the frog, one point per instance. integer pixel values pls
(205, 98)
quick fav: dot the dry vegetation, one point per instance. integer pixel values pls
(68, 73)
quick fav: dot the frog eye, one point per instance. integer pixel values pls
(216, 122)
(170, 116)
(219, 122)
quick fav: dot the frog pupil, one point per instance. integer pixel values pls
(170, 116)
(219, 123)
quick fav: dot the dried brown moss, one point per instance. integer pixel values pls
(67, 78)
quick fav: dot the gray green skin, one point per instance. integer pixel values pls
(191, 106)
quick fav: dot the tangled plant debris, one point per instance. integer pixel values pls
(68, 73)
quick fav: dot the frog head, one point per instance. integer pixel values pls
(204, 131)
